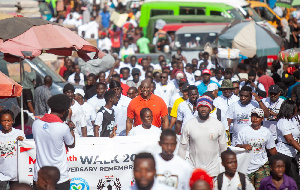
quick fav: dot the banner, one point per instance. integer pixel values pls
(104, 163)
(94, 163)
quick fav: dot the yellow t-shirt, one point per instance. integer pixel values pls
(175, 107)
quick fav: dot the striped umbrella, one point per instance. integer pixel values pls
(251, 39)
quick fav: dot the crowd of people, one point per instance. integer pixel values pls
(209, 108)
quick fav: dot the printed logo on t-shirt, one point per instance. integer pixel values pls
(110, 127)
(109, 182)
(257, 145)
(45, 126)
(168, 179)
(8, 149)
(242, 118)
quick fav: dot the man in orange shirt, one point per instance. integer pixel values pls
(147, 100)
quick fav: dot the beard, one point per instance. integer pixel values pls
(203, 117)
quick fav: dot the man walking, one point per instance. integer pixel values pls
(41, 96)
(51, 136)
(154, 103)
(205, 137)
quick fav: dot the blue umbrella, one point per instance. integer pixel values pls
(251, 39)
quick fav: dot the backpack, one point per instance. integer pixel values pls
(242, 179)
(219, 114)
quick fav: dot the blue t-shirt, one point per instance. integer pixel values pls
(202, 88)
(105, 19)
(291, 88)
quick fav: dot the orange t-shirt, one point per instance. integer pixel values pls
(155, 104)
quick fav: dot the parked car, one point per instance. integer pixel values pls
(40, 68)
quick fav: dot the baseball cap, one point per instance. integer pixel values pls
(185, 87)
(79, 91)
(258, 111)
(197, 73)
(179, 75)
(212, 87)
(219, 70)
(135, 71)
(206, 71)
(182, 80)
(274, 88)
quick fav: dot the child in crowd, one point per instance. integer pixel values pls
(231, 179)
(146, 128)
(105, 118)
(8, 146)
(257, 139)
(278, 179)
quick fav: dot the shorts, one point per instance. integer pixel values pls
(256, 177)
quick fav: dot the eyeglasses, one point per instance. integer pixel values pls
(163, 77)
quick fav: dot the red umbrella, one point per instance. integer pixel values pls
(9, 88)
(19, 34)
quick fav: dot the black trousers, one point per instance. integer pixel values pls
(291, 168)
(62, 186)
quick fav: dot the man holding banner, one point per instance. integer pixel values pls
(51, 135)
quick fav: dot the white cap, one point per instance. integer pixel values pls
(211, 87)
(197, 73)
(79, 91)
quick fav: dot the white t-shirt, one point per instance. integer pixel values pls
(286, 127)
(156, 186)
(224, 121)
(121, 113)
(190, 78)
(210, 65)
(216, 80)
(71, 78)
(96, 102)
(185, 112)
(104, 44)
(78, 118)
(165, 91)
(140, 130)
(50, 140)
(260, 86)
(259, 140)
(223, 103)
(271, 123)
(173, 98)
(90, 115)
(8, 157)
(99, 119)
(175, 172)
(241, 116)
(234, 183)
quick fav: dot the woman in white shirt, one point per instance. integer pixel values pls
(288, 137)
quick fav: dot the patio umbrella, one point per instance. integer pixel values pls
(250, 38)
(22, 37)
(9, 88)
(287, 3)
(19, 34)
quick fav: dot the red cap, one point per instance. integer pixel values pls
(103, 33)
(140, 61)
(206, 71)
(183, 80)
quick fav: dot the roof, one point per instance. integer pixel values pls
(176, 26)
(187, 3)
(233, 3)
(190, 18)
(201, 29)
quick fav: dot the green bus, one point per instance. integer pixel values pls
(155, 8)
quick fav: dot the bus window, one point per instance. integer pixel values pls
(191, 11)
(161, 12)
(216, 13)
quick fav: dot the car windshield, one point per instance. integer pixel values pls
(47, 70)
(194, 41)
(236, 14)
(252, 13)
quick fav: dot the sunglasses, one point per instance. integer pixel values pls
(163, 77)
